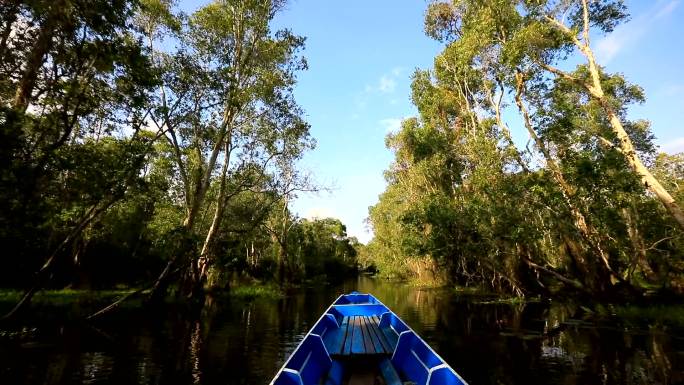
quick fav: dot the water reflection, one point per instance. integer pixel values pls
(245, 343)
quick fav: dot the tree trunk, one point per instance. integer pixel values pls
(589, 233)
(505, 130)
(627, 147)
(12, 11)
(206, 257)
(647, 178)
(625, 143)
(594, 279)
(639, 258)
(41, 47)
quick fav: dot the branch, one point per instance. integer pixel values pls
(559, 276)
(560, 73)
(567, 31)
(566, 75)
(609, 144)
(652, 247)
(115, 304)
(88, 217)
(585, 20)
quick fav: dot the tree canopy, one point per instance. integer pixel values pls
(588, 206)
(151, 148)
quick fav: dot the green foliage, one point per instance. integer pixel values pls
(251, 292)
(466, 205)
(136, 140)
(74, 80)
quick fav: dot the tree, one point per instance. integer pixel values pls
(73, 74)
(484, 212)
(228, 109)
(530, 38)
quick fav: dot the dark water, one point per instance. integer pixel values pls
(241, 342)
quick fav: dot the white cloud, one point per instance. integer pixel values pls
(627, 34)
(387, 84)
(674, 146)
(667, 9)
(609, 46)
(320, 213)
(391, 125)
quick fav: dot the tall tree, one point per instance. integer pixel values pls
(574, 208)
(228, 109)
(531, 38)
(73, 74)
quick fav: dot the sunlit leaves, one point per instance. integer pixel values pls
(455, 193)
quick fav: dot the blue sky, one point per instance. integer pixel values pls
(361, 54)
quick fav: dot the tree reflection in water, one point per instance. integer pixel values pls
(235, 342)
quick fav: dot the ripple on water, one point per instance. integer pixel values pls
(95, 367)
(246, 343)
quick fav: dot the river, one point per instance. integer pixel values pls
(246, 342)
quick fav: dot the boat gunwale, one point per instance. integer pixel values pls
(443, 365)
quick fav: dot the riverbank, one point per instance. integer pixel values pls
(248, 333)
(83, 297)
(656, 312)
(64, 296)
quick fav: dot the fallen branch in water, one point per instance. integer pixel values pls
(559, 276)
(115, 304)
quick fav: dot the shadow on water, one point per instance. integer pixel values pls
(236, 342)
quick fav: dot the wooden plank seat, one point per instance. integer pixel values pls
(355, 335)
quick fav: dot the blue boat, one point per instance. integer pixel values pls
(358, 340)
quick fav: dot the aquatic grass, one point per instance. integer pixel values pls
(253, 291)
(664, 314)
(9, 295)
(509, 301)
(472, 290)
(423, 284)
(64, 296)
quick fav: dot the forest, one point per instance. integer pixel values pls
(589, 206)
(144, 147)
(155, 154)
(147, 148)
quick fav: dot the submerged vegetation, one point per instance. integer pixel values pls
(588, 207)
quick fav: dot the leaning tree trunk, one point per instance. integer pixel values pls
(37, 56)
(587, 231)
(43, 275)
(627, 149)
(206, 263)
(595, 89)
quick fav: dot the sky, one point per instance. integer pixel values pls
(361, 54)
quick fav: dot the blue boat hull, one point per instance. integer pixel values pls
(359, 340)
